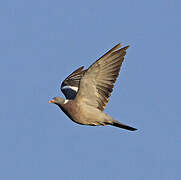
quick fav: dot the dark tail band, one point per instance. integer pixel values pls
(120, 125)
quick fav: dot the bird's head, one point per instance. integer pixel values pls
(57, 100)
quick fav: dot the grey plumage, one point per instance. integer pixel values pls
(92, 89)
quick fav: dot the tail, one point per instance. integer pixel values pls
(123, 126)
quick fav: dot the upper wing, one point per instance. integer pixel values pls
(98, 81)
(70, 85)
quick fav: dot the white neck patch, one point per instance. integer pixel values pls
(66, 101)
(71, 87)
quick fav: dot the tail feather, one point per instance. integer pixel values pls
(120, 125)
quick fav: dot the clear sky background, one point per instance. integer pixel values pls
(42, 42)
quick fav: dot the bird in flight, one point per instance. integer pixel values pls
(87, 91)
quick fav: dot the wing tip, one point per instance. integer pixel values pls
(118, 47)
(125, 48)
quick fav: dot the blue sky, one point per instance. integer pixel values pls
(42, 42)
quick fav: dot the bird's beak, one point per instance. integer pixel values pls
(51, 101)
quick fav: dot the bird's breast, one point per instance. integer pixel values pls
(73, 111)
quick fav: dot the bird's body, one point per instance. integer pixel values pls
(85, 114)
(88, 91)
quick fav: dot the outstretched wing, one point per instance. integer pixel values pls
(98, 81)
(70, 85)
